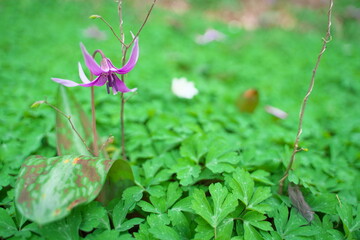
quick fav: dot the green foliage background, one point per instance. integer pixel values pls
(197, 144)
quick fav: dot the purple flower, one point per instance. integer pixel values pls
(106, 72)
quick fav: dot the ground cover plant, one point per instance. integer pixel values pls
(200, 164)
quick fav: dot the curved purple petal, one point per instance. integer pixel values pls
(67, 83)
(120, 86)
(132, 61)
(99, 81)
(90, 62)
(82, 75)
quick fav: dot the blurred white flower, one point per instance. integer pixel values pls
(276, 112)
(209, 36)
(183, 88)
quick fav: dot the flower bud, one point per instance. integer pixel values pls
(94, 16)
(37, 104)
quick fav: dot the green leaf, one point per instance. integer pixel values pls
(256, 219)
(132, 195)
(123, 207)
(130, 224)
(243, 188)
(183, 205)
(173, 194)
(94, 216)
(351, 224)
(120, 170)
(65, 229)
(203, 230)
(224, 203)
(180, 223)
(221, 159)
(101, 235)
(260, 194)
(242, 185)
(294, 226)
(147, 207)
(325, 203)
(186, 171)
(164, 233)
(7, 225)
(201, 205)
(48, 188)
(325, 229)
(250, 232)
(68, 142)
(262, 176)
(225, 229)
(158, 226)
(194, 148)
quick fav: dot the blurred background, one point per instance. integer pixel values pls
(224, 47)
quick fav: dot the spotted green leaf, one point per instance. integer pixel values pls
(48, 188)
(68, 142)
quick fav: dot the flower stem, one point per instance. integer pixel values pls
(304, 102)
(122, 125)
(124, 48)
(93, 114)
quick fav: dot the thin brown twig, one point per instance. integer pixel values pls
(121, 40)
(296, 149)
(110, 139)
(142, 26)
(68, 117)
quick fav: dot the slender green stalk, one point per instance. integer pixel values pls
(93, 116)
(124, 48)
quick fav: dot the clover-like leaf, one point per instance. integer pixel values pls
(48, 188)
(294, 226)
(242, 185)
(220, 159)
(243, 188)
(224, 203)
(351, 224)
(7, 225)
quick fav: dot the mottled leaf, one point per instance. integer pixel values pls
(48, 188)
(68, 142)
